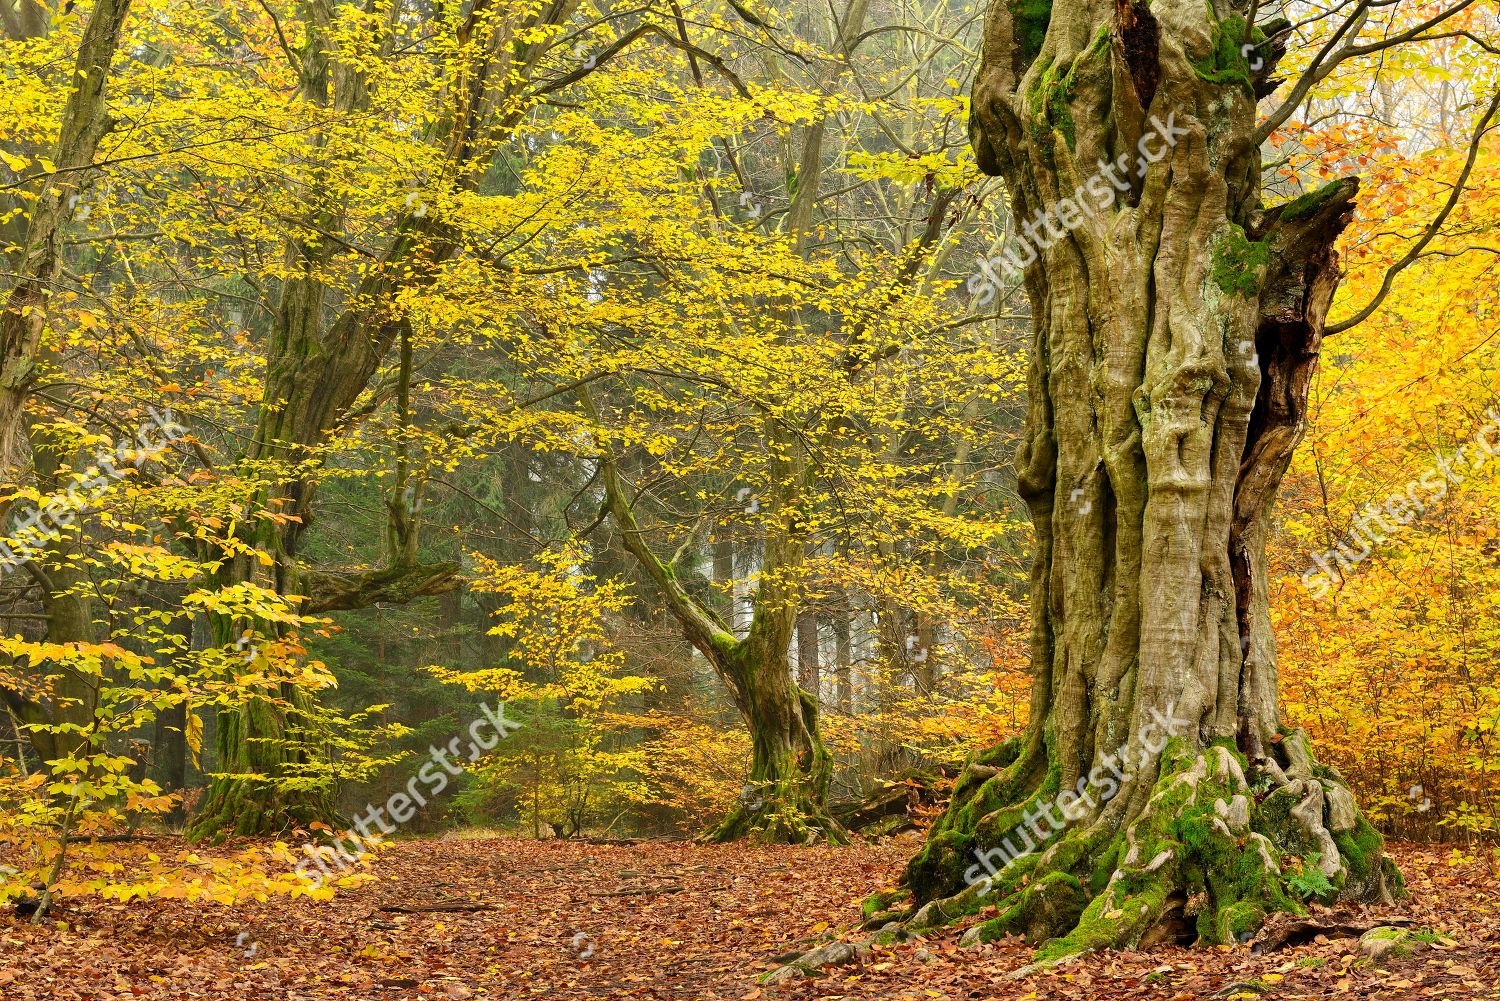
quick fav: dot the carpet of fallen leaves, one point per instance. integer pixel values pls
(673, 920)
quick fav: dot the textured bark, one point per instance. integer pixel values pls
(25, 316)
(843, 656)
(785, 796)
(1175, 334)
(807, 650)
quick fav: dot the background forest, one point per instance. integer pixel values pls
(364, 363)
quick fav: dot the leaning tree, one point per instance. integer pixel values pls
(1157, 793)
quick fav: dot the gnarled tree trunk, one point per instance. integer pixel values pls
(784, 799)
(1177, 324)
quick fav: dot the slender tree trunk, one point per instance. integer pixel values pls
(843, 658)
(170, 743)
(923, 656)
(1177, 325)
(896, 652)
(724, 574)
(807, 651)
(26, 314)
(67, 602)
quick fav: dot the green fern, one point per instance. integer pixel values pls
(1308, 880)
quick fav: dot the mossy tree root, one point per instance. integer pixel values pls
(1207, 857)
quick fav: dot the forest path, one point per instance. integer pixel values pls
(668, 920)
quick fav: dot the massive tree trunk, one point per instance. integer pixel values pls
(1177, 323)
(315, 370)
(314, 375)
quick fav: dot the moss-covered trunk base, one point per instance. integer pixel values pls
(784, 812)
(785, 800)
(263, 786)
(1210, 854)
(239, 806)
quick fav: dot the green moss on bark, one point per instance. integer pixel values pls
(1201, 844)
(1108, 923)
(879, 908)
(1363, 853)
(1235, 923)
(1228, 63)
(1030, 18)
(1053, 91)
(1002, 755)
(1306, 206)
(1239, 264)
(1055, 901)
(939, 867)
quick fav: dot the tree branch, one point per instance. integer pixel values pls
(704, 629)
(1431, 232)
(1328, 59)
(338, 591)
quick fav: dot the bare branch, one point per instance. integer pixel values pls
(1411, 256)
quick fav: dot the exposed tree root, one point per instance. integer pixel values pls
(1208, 855)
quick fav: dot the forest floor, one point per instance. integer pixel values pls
(672, 920)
